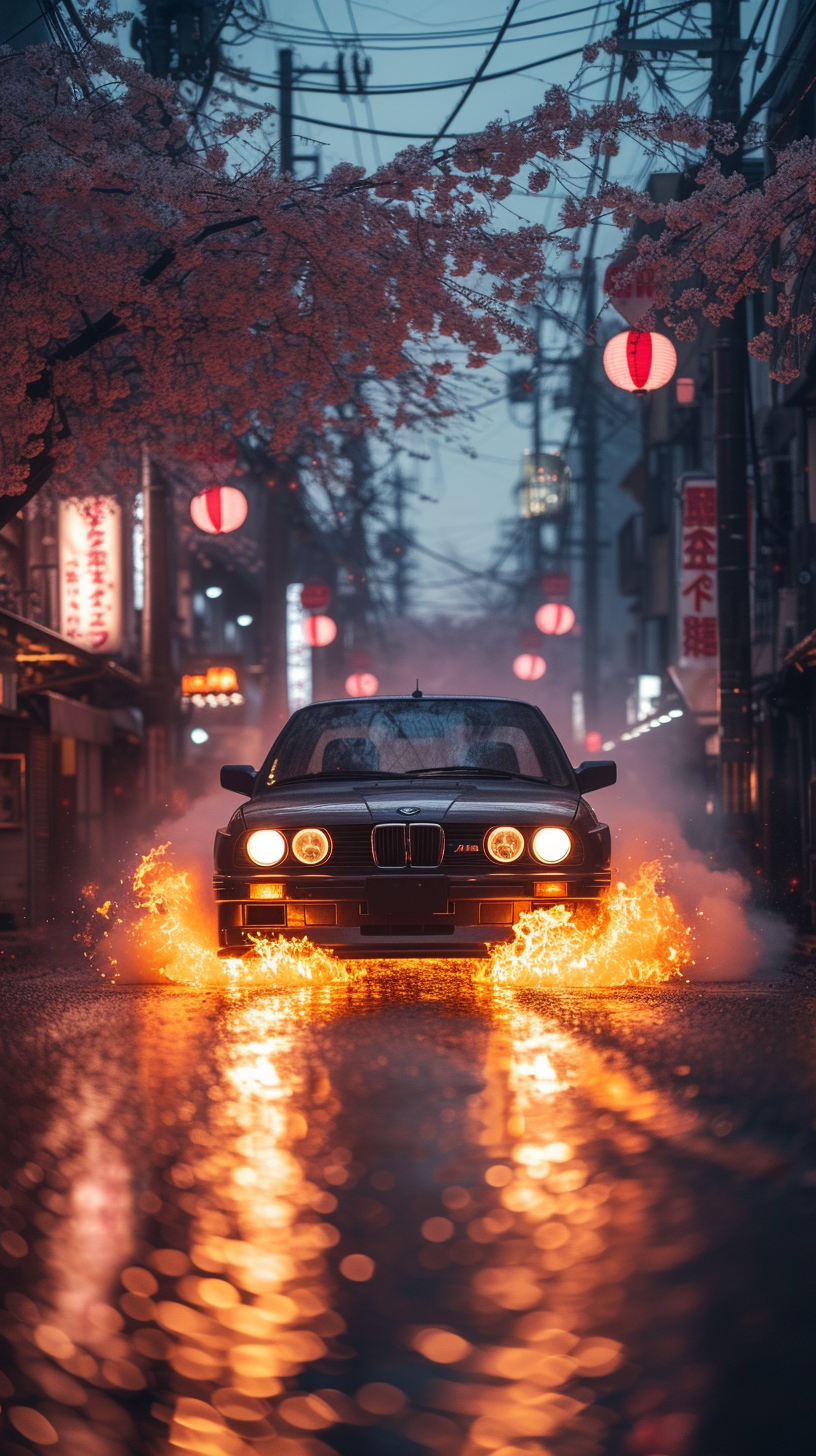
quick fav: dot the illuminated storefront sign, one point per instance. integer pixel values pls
(90, 572)
(697, 616)
(698, 573)
(216, 687)
(298, 651)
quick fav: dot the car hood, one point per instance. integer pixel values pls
(449, 801)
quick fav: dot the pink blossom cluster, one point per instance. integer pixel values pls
(156, 295)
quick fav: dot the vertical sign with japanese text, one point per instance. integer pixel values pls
(697, 591)
(298, 654)
(90, 572)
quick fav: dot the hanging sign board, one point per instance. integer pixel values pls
(697, 620)
(630, 289)
(90, 572)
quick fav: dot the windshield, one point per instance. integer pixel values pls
(405, 736)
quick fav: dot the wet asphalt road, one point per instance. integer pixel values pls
(406, 1215)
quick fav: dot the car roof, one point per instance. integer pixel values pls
(409, 697)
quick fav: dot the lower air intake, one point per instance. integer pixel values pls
(427, 845)
(388, 844)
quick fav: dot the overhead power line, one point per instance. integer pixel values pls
(386, 40)
(424, 86)
(266, 81)
(483, 67)
(410, 136)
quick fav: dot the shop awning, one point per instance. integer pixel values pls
(45, 662)
(803, 655)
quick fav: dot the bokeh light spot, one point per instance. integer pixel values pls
(381, 1399)
(357, 1267)
(441, 1346)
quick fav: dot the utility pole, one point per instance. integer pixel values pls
(159, 674)
(534, 524)
(731, 471)
(287, 79)
(400, 563)
(273, 608)
(730, 352)
(285, 93)
(589, 470)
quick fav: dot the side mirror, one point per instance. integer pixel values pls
(238, 777)
(595, 773)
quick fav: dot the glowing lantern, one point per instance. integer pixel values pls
(529, 666)
(593, 742)
(219, 510)
(639, 362)
(319, 631)
(361, 685)
(555, 618)
(315, 596)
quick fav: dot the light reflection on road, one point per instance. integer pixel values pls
(413, 1213)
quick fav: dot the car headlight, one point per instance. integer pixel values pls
(504, 844)
(311, 846)
(266, 846)
(551, 845)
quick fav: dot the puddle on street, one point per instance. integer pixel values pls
(410, 1213)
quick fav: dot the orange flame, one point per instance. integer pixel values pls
(173, 935)
(638, 937)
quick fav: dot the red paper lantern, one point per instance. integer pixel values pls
(555, 618)
(361, 685)
(639, 362)
(319, 631)
(315, 596)
(529, 666)
(593, 742)
(219, 510)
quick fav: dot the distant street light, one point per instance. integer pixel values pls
(214, 592)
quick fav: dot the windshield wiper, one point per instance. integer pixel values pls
(339, 773)
(482, 773)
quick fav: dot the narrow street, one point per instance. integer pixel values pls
(409, 1212)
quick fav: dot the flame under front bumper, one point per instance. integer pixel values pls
(396, 914)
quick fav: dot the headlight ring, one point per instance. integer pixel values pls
(504, 844)
(266, 847)
(311, 846)
(551, 844)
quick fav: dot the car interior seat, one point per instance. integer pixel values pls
(492, 754)
(347, 754)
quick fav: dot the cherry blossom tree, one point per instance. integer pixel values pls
(727, 241)
(153, 293)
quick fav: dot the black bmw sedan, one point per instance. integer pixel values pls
(416, 826)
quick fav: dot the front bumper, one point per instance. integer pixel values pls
(397, 914)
